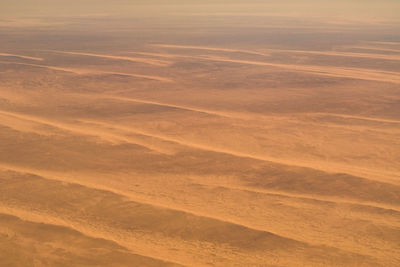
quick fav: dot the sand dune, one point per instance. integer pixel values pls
(329, 71)
(148, 77)
(376, 48)
(323, 53)
(129, 217)
(133, 242)
(113, 133)
(28, 123)
(21, 56)
(353, 73)
(251, 52)
(155, 141)
(133, 59)
(209, 147)
(187, 108)
(356, 117)
(93, 72)
(248, 116)
(17, 237)
(71, 70)
(279, 192)
(340, 54)
(386, 43)
(164, 144)
(69, 180)
(158, 54)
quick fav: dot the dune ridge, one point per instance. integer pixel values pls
(273, 50)
(328, 71)
(262, 239)
(108, 136)
(119, 133)
(93, 72)
(331, 167)
(21, 56)
(54, 229)
(133, 59)
(74, 179)
(251, 52)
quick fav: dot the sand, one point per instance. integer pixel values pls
(230, 146)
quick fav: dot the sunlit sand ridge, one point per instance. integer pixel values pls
(21, 56)
(356, 73)
(91, 72)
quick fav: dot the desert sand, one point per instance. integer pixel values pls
(230, 141)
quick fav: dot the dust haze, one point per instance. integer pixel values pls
(199, 133)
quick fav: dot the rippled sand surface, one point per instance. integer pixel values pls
(204, 141)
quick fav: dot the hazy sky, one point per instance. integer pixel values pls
(351, 9)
